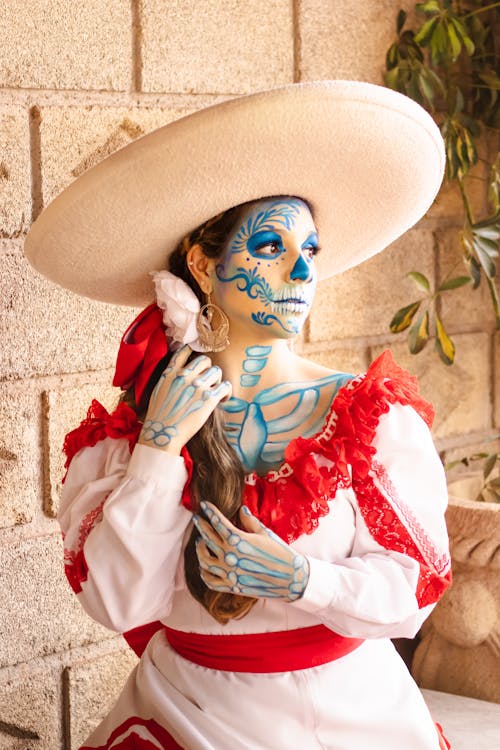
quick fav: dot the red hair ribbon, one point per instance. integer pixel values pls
(143, 345)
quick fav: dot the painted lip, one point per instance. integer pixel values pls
(294, 295)
(291, 305)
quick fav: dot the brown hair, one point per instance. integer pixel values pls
(218, 475)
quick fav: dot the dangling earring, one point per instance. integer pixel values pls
(212, 325)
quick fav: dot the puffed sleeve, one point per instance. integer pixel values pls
(399, 563)
(123, 526)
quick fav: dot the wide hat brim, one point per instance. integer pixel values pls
(370, 162)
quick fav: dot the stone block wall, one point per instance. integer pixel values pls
(78, 81)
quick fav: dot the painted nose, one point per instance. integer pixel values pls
(301, 270)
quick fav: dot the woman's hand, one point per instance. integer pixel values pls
(254, 562)
(182, 401)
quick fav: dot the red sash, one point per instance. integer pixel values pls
(283, 651)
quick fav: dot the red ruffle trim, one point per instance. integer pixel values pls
(98, 425)
(292, 499)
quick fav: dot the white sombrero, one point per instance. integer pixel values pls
(369, 160)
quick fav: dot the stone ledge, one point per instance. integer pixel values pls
(468, 724)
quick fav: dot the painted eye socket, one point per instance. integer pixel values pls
(310, 251)
(269, 250)
(265, 244)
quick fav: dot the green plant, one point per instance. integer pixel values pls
(449, 65)
(490, 490)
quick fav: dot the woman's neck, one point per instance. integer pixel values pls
(252, 366)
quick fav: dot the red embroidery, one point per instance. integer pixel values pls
(138, 734)
(292, 500)
(75, 567)
(439, 561)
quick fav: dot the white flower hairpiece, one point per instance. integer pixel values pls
(180, 307)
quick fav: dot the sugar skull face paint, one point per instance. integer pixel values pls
(267, 276)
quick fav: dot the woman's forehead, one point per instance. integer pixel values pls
(278, 210)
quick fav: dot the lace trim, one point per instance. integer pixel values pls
(440, 562)
(389, 531)
(98, 425)
(292, 500)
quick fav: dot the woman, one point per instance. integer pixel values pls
(272, 523)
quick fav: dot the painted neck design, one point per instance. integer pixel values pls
(256, 360)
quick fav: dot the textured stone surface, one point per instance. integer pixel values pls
(216, 46)
(44, 615)
(19, 454)
(73, 139)
(55, 44)
(467, 723)
(467, 480)
(45, 329)
(362, 301)
(91, 690)
(449, 204)
(496, 380)
(459, 393)
(346, 40)
(63, 411)
(30, 711)
(459, 650)
(15, 201)
(342, 359)
(463, 309)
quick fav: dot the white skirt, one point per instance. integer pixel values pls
(365, 700)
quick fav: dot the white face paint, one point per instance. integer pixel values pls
(266, 277)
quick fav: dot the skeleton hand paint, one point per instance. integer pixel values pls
(254, 562)
(182, 401)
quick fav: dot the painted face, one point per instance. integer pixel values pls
(266, 276)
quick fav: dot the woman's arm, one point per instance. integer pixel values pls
(399, 564)
(123, 528)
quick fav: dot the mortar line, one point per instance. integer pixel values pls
(137, 37)
(35, 119)
(297, 41)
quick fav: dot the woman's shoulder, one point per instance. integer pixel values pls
(99, 424)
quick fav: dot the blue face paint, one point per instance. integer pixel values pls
(267, 275)
(265, 245)
(279, 213)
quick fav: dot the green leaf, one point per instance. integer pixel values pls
(454, 41)
(485, 260)
(475, 272)
(420, 280)
(454, 283)
(459, 101)
(403, 317)
(489, 465)
(392, 57)
(418, 334)
(489, 232)
(489, 246)
(444, 345)
(425, 34)
(401, 20)
(431, 6)
(462, 35)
